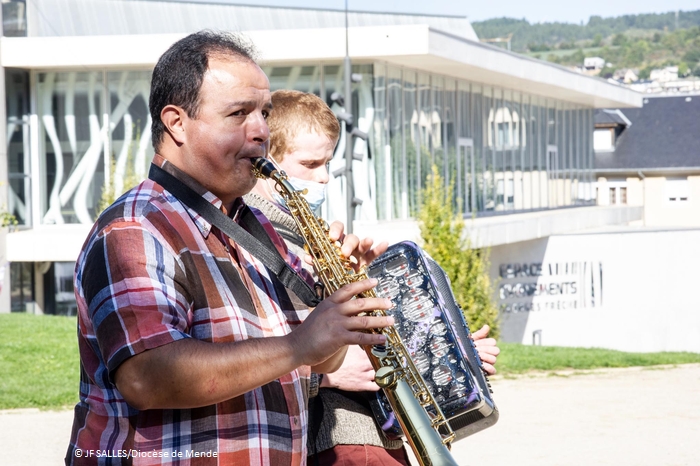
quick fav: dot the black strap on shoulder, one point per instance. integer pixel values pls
(257, 242)
(288, 234)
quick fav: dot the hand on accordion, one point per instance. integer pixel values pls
(487, 349)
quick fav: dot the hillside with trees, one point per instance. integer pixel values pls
(643, 41)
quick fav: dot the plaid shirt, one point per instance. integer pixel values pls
(153, 272)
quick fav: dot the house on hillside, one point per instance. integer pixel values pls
(626, 75)
(593, 63)
(662, 75)
(650, 156)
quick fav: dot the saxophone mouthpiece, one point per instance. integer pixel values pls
(264, 166)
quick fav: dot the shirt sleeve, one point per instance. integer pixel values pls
(133, 287)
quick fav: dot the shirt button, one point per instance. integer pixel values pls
(296, 420)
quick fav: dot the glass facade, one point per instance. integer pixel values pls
(78, 139)
(500, 150)
(94, 130)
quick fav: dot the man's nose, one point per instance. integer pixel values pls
(321, 175)
(258, 131)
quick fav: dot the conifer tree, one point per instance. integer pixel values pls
(442, 231)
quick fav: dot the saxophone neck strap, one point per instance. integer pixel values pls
(254, 238)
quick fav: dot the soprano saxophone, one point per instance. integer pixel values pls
(419, 414)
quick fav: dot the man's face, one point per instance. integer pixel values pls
(308, 161)
(230, 127)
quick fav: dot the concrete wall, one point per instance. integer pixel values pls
(631, 290)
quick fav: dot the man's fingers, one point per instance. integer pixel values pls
(350, 244)
(488, 358)
(368, 339)
(369, 253)
(335, 233)
(490, 370)
(487, 344)
(481, 333)
(346, 292)
(369, 323)
(369, 387)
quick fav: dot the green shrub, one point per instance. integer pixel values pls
(442, 232)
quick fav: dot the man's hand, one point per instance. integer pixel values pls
(335, 323)
(356, 374)
(487, 349)
(351, 245)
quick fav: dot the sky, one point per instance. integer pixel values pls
(533, 10)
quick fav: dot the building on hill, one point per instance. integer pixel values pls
(593, 63)
(626, 75)
(662, 75)
(652, 159)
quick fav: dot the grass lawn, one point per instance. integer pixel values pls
(39, 365)
(516, 358)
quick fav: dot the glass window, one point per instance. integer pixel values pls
(14, 18)
(72, 140)
(396, 154)
(603, 140)
(381, 157)
(18, 151)
(412, 135)
(478, 140)
(677, 190)
(131, 150)
(305, 78)
(21, 286)
(452, 172)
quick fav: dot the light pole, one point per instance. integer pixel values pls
(349, 182)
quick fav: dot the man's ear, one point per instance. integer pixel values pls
(173, 118)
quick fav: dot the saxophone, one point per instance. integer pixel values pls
(419, 414)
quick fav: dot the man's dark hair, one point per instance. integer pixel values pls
(178, 75)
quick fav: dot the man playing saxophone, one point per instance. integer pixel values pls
(303, 135)
(191, 351)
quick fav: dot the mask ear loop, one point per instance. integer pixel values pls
(271, 191)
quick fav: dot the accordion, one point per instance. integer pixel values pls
(433, 329)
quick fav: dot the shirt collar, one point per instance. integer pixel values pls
(202, 224)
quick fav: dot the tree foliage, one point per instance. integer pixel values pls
(525, 33)
(442, 232)
(109, 192)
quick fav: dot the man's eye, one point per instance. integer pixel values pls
(265, 114)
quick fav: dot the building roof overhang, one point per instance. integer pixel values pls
(418, 47)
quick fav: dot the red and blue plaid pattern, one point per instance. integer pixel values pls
(153, 272)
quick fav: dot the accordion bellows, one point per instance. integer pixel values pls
(432, 328)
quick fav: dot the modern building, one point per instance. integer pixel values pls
(513, 135)
(621, 287)
(650, 156)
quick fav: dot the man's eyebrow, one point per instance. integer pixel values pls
(247, 103)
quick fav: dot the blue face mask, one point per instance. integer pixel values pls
(315, 192)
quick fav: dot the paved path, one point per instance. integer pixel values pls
(634, 417)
